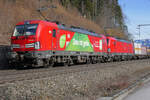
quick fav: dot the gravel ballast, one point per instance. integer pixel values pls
(84, 85)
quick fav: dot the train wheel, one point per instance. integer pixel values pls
(69, 62)
(103, 60)
(93, 61)
(75, 62)
(88, 61)
(52, 64)
(66, 64)
(46, 63)
(99, 61)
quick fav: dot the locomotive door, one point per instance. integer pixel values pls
(54, 39)
(115, 47)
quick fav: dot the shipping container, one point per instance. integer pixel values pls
(143, 42)
(139, 49)
(148, 50)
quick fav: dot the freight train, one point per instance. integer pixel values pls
(44, 43)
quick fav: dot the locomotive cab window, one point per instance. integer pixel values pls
(25, 30)
(54, 33)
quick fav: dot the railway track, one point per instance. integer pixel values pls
(10, 76)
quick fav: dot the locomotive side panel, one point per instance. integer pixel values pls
(63, 39)
(99, 44)
(111, 45)
(45, 37)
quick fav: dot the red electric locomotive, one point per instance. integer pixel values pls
(44, 43)
(119, 49)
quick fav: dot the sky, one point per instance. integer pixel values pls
(137, 12)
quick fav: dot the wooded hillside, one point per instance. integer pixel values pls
(106, 13)
(101, 16)
(95, 9)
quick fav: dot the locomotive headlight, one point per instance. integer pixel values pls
(37, 45)
(31, 45)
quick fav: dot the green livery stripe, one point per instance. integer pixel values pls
(80, 42)
(62, 41)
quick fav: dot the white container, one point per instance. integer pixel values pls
(139, 49)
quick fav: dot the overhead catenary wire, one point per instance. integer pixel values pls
(40, 9)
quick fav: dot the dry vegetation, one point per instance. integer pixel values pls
(13, 11)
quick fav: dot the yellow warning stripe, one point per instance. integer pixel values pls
(137, 48)
(148, 50)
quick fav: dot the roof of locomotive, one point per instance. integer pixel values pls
(36, 22)
(29, 22)
(79, 30)
(62, 26)
(119, 39)
(124, 41)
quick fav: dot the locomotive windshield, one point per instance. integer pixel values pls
(25, 30)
